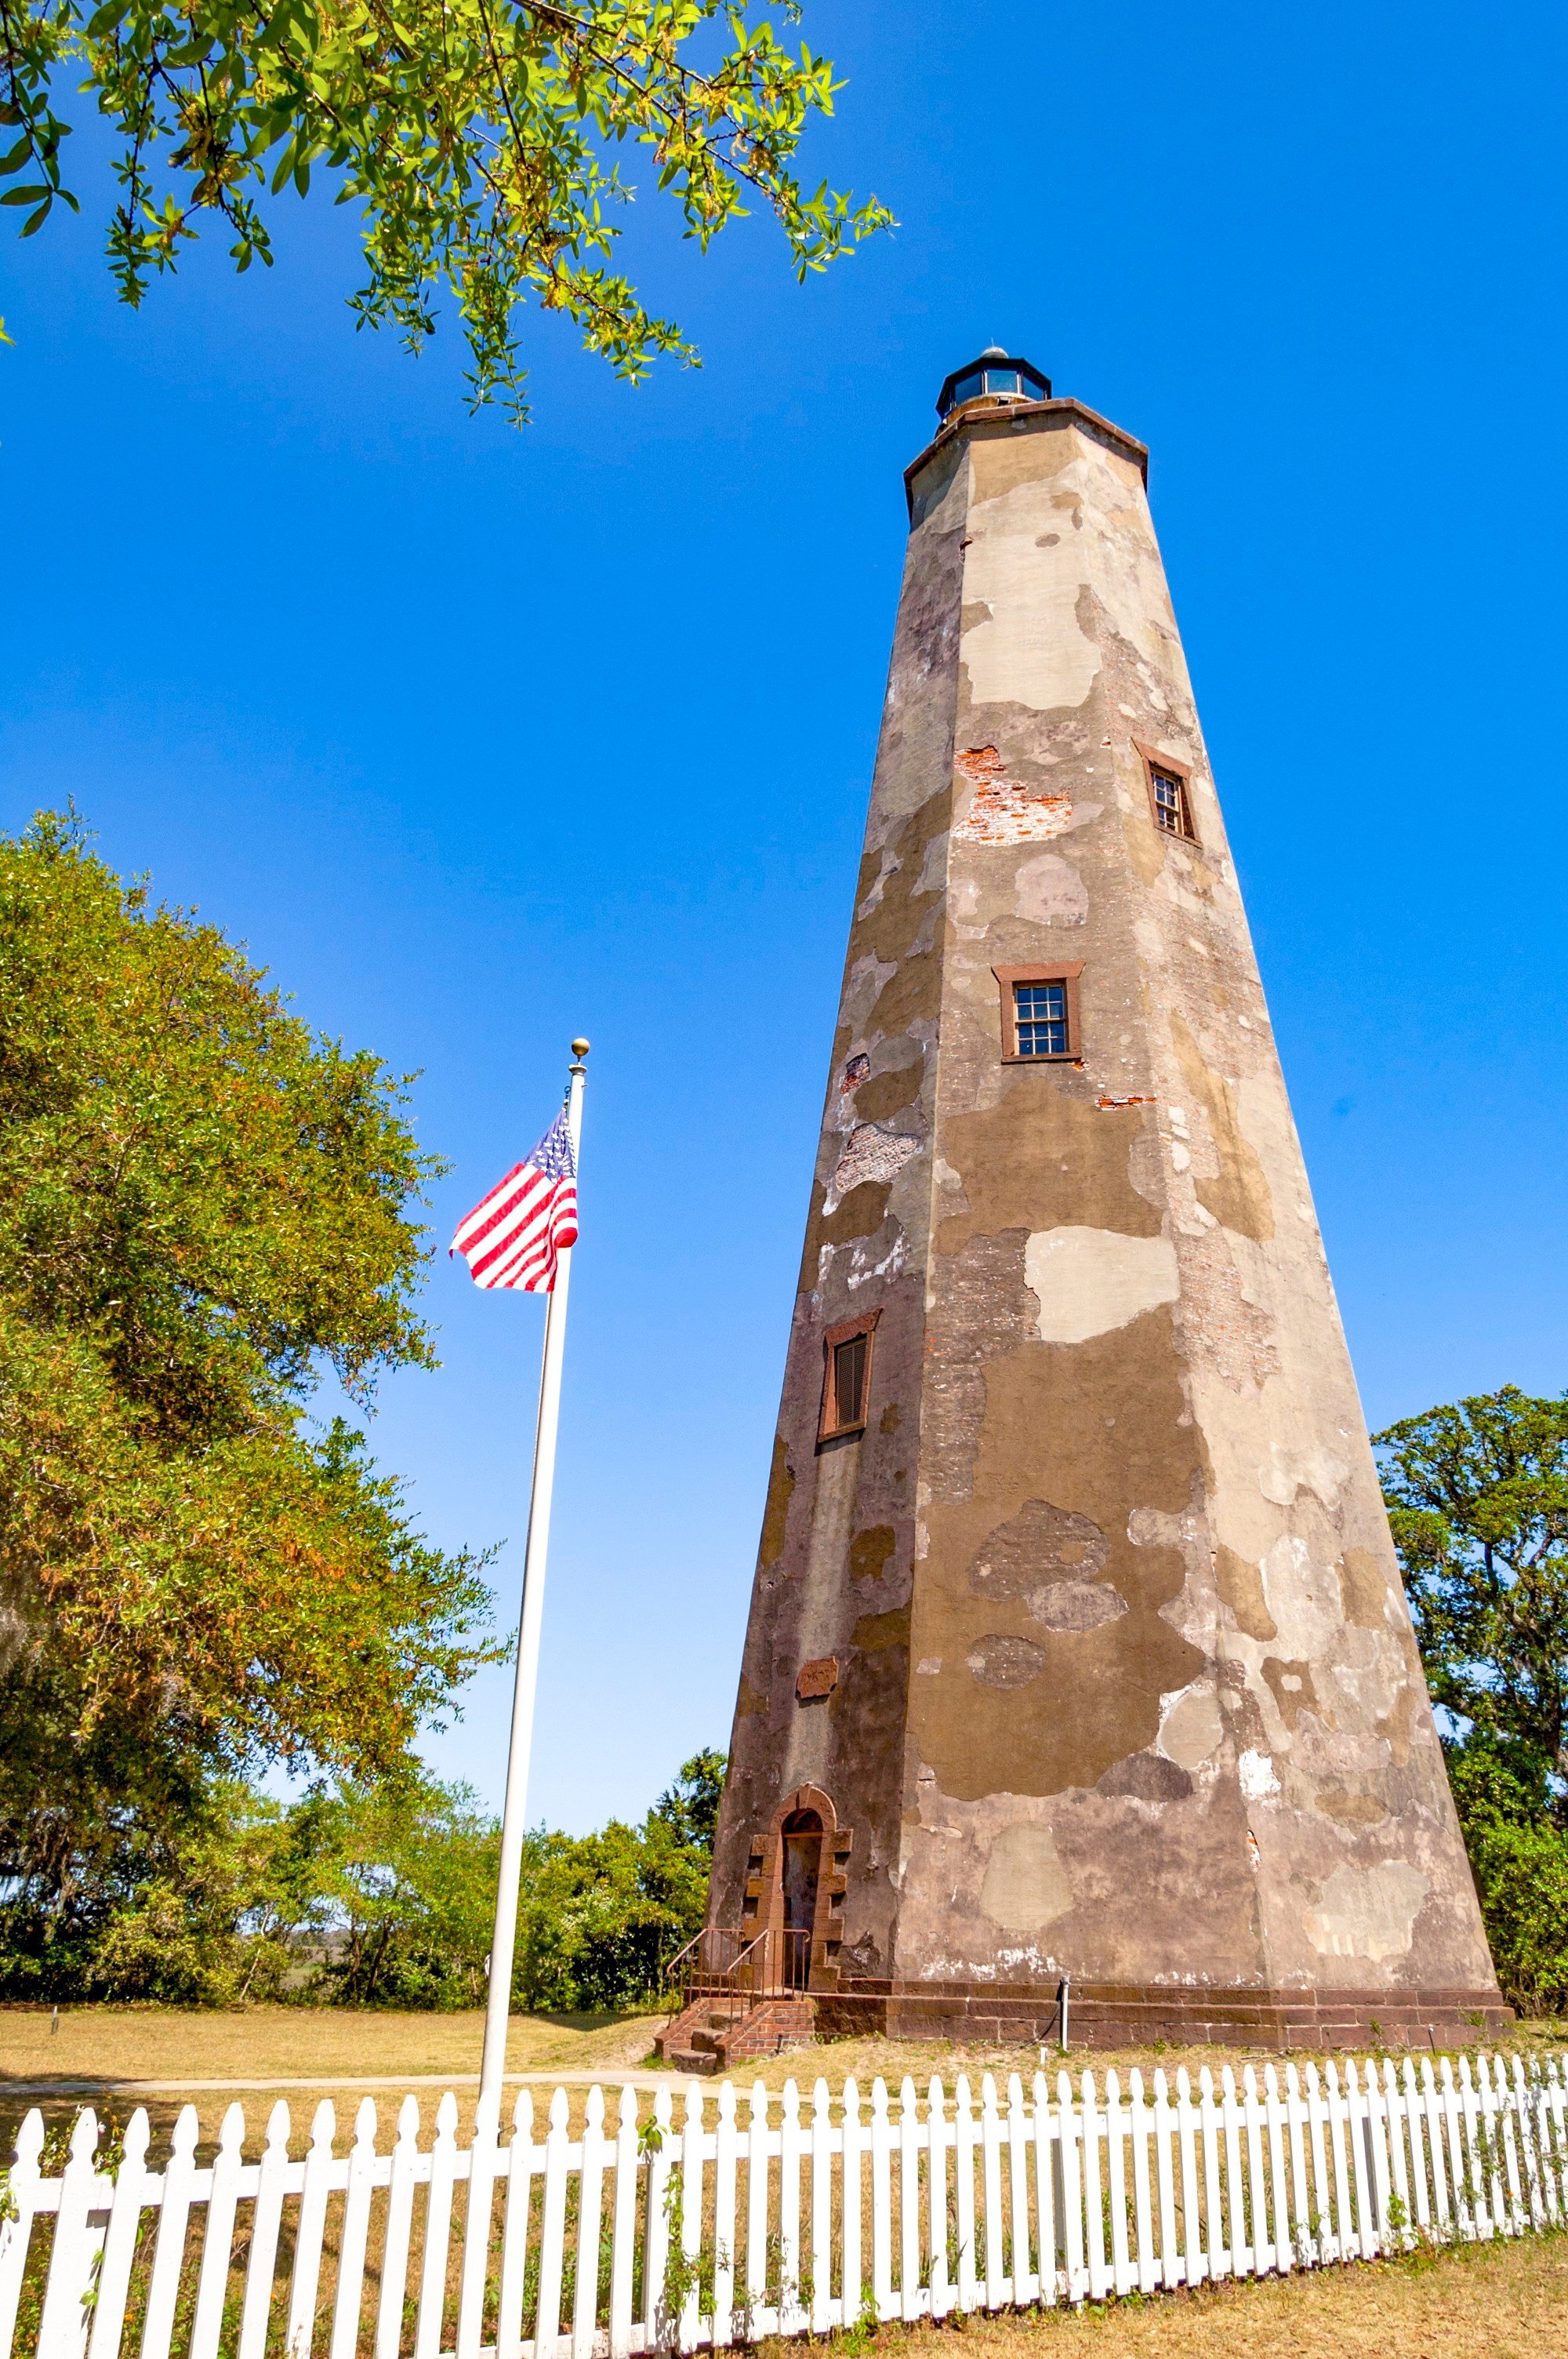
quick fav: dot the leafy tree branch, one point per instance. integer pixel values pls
(476, 136)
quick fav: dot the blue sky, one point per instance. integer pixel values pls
(481, 739)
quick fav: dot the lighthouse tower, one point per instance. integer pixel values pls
(1078, 1645)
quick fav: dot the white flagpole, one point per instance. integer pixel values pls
(498, 2005)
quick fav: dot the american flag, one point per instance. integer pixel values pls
(514, 1236)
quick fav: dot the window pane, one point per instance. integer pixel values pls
(1002, 380)
(1042, 1019)
(968, 387)
(848, 1380)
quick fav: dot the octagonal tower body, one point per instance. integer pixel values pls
(1080, 1649)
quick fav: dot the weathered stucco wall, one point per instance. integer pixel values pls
(1127, 1685)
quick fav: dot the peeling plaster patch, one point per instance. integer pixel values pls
(1111, 1105)
(1003, 810)
(928, 1667)
(1256, 1772)
(1147, 1778)
(999, 1661)
(1031, 648)
(1049, 890)
(891, 1262)
(1040, 1540)
(872, 1153)
(1025, 1885)
(850, 1081)
(1191, 1729)
(1075, 1605)
(1088, 1281)
(1368, 1912)
(1292, 1470)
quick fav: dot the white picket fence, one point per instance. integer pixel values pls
(756, 2216)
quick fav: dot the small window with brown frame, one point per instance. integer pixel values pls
(847, 1376)
(1170, 793)
(1040, 1012)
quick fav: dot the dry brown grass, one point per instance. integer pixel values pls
(112, 2047)
(1480, 2301)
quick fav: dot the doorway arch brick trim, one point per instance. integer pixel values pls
(764, 1902)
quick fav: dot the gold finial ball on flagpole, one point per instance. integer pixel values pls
(582, 1048)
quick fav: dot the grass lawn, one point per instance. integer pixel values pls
(267, 2046)
(1481, 2301)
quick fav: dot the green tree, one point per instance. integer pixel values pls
(1477, 1497)
(202, 1208)
(476, 138)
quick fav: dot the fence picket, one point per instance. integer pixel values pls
(1025, 2284)
(1527, 2111)
(1116, 2178)
(1071, 2135)
(484, 2165)
(624, 2245)
(1163, 2131)
(964, 2193)
(77, 2240)
(552, 2236)
(266, 2217)
(991, 2184)
(438, 2229)
(692, 2154)
(1370, 2182)
(1467, 2111)
(854, 2150)
(349, 2294)
(1261, 2248)
(757, 2159)
(218, 2237)
(1047, 2195)
(1094, 2192)
(939, 2139)
(822, 2143)
(169, 2254)
(131, 2195)
(909, 2286)
(657, 2224)
(881, 2203)
(24, 2186)
(1147, 2265)
(726, 2150)
(1275, 2114)
(403, 2172)
(525, 2160)
(590, 2211)
(793, 2314)
(1238, 2248)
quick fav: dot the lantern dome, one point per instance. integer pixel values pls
(996, 376)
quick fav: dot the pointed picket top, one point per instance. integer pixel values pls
(232, 2131)
(961, 2096)
(664, 2114)
(1270, 2084)
(1228, 2083)
(908, 2102)
(182, 2143)
(522, 2115)
(1112, 2087)
(364, 2127)
(1161, 2088)
(727, 2101)
(879, 2099)
(487, 2118)
(821, 2105)
(138, 2136)
(1205, 2085)
(936, 2099)
(84, 2138)
(987, 2094)
(560, 2113)
(1040, 2090)
(1184, 2087)
(1065, 2090)
(1331, 2079)
(593, 2112)
(1086, 2086)
(447, 2119)
(323, 2127)
(31, 2137)
(1014, 2091)
(1466, 2079)
(791, 2105)
(1249, 2084)
(759, 2105)
(851, 2101)
(628, 2109)
(277, 2129)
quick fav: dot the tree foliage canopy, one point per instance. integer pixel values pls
(1477, 1501)
(202, 1206)
(475, 135)
(1477, 1496)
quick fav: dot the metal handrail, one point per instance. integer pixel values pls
(773, 1964)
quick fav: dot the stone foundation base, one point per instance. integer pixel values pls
(1123, 2015)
